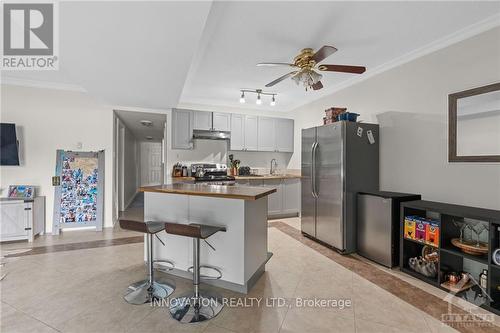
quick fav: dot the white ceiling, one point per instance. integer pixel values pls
(132, 120)
(162, 54)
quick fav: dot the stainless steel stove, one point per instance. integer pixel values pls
(211, 174)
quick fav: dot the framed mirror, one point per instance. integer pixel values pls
(474, 125)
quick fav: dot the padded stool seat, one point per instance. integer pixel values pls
(193, 230)
(148, 227)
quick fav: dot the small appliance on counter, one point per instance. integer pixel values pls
(378, 225)
(211, 174)
(244, 171)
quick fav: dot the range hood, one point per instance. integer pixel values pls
(211, 135)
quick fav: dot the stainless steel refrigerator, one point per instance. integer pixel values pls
(338, 160)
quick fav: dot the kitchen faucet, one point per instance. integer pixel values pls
(273, 166)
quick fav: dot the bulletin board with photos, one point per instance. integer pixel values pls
(79, 190)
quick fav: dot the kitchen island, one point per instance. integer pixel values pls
(241, 252)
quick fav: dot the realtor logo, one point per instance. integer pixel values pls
(29, 36)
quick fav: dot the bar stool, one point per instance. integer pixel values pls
(197, 305)
(153, 288)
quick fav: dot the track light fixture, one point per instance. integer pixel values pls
(258, 101)
(259, 93)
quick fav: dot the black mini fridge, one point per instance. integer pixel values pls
(378, 225)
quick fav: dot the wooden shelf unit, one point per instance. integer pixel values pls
(450, 257)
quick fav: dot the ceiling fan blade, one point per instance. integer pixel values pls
(317, 86)
(270, 84)
(323, 53)
(262, 64)
(342, 68)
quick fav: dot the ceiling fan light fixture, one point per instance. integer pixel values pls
(273, 101)
(242, 98)
(259, 100)
(315, 77)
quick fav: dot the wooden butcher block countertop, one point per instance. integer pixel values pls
(217, 191)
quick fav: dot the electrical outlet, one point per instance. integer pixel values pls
(360, 132)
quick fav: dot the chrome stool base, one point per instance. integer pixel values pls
(185, 309)
(139, 292)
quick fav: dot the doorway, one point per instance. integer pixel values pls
(139, 146)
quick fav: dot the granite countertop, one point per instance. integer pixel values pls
(217, 191)
(283, 176)
(263, 177)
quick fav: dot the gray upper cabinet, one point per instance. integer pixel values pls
(202, 120)
(182, 129)
(209, 121)
(284, 135)
(266, 134)
(250, 133)
(237, 132)
(221, 121)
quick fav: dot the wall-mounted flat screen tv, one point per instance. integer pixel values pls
(9, 152)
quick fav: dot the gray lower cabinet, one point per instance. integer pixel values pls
(285, 202)
(291, 196)
(275, 200)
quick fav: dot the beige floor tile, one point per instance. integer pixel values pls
(160, 320)
(211, 328)
(263, 318)
(13, 321)
(82, 291)
(111, 316)
(367, 326)
(317, 320)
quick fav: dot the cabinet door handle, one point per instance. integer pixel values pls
(27, 208)
(27, 228)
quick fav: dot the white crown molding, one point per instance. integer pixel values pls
(456, 37)
(7, 80)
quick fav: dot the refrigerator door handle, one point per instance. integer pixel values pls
(312, 169)
(313, 173)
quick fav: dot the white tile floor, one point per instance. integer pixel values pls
(81, 291)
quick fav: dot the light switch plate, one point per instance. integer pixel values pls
(360, 132)
(371, 139)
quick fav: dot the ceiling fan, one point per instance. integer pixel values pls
(305, 67)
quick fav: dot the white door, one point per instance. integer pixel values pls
(250, 133)
(284, 135)
(221, 121)
(237, 132)
(266, 134)
(182, 129)
(202, 120)
(151, 163)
